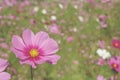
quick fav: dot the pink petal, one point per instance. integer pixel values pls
(105, 1)
(17, 43)
(19, 54)
(28, 61)
(4, 45)
(101, 44)
(52, 59)
(103, 24)
(54, 28)
(28, 37)
(3, 64)
(40, 37)
(40, 61)
(49, 46)
(100, 77)
(70, 39)
(4, 76)
(101, 62)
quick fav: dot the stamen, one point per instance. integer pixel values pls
(115, 65)
(34, 53)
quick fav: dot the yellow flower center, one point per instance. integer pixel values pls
(114, 65)
(34, 53)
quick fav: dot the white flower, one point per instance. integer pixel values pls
(60, 5)
(97, 19)
(53, 18)
(75, 29)
(103, 53)
(75, 6)
(36, 8)
(81, 18)
(44, 11)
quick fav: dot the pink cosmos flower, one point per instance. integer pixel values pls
(4, 45)
(1, 17)
(54, 28)
(101, 44)
(32, 21)
(70, 39)
(105, 1)
(3, 66)
(25, 3)
(104, 24)
(100, 77)
(102, 19)
(8, 2)
(89, 0)
(12, 17)
(14, 1)
(101, 62)
(116, 43)
(114, 63)
(35, 49)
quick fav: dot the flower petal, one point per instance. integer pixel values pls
(52, 59)
(40, 37)
(18, 43)
(28, 37)
(3, 64)
(19, 54)
(49, 47)
(41, 60)
(4, 76)
(28, 61)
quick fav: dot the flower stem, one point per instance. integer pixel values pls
(31, 71)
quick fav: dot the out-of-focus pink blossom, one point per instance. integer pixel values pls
(8, 3)
(12, 17)
(1, 17)
(102, 19)
(105, 1)
(104, 24)
(70, 39)
(100, 77)
(75, 62)
(101, 44)
(34, 10)
(32, 21)
(25, 3)
(4, 45)
(14, 2)
(2, 39)
(89, 1)
(101, 62)
(54, 28)
(114, 63)
(116, 43)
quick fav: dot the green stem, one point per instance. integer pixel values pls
(31, 71)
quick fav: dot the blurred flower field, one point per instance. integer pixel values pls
(86, 31)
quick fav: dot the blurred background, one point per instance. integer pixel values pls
(77, 25)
